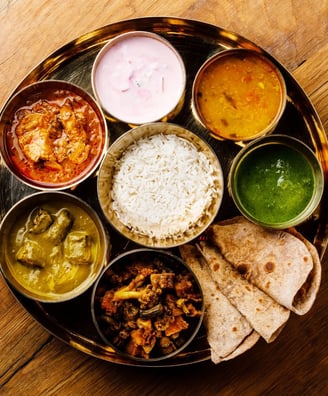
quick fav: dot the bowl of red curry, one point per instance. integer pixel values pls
(147, 305)
(53, 135)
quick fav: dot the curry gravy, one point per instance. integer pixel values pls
(52, 267)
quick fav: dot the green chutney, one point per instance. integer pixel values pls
(275, 183)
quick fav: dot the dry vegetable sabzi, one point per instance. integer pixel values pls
(147, 310)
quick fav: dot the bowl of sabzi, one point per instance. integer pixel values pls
(53, 246)
(160, 185)
(147, 305)
(53, 135)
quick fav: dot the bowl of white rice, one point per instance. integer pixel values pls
(160, 185)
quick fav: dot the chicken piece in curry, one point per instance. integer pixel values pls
(54, 140)
(54, 248)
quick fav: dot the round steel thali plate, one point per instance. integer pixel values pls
(71, 321)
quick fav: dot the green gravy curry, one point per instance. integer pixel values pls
(275, 184)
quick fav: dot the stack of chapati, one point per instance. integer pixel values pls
(252, 278)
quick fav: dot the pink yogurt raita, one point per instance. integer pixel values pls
(139, 77)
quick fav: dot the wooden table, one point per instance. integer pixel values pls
(34, 362)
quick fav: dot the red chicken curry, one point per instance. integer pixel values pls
(53, 140)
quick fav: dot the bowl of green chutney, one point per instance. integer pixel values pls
(276, 181)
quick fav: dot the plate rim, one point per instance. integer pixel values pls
(95, 39)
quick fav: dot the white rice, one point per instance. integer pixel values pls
(162, 186)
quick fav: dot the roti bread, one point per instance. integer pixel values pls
(265, 315)
(247, 344)
(228, 332)
(283, 264)
(307, 294)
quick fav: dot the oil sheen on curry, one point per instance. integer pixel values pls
(239, 95)
(53, 249)
(53, 140)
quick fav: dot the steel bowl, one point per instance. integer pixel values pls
(239, 94)
(155, 232)
(139, 77)
(276, 181)
(48, 261)
(55, 150)
(123, 323)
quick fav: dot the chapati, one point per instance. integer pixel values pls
(265, 315)
(283, 264)
(228, 332)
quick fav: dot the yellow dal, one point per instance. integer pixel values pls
(239, 96)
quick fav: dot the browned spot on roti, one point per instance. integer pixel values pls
(269, 266)
(216, 267)
(243, 268)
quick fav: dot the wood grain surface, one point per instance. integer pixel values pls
(34, 362)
